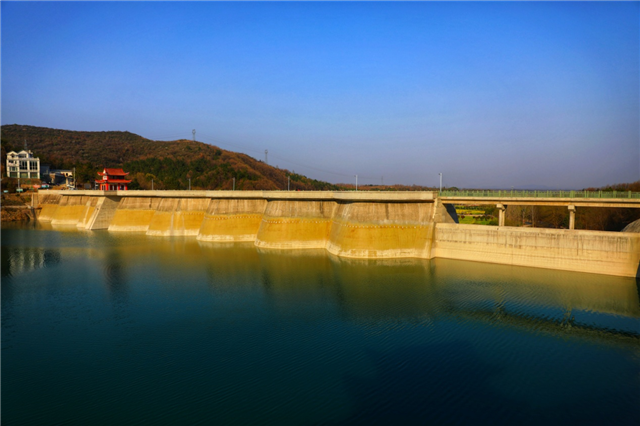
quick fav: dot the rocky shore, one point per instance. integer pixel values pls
(15, 208)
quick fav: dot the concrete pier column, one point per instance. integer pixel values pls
(572, 217)
(501, 209)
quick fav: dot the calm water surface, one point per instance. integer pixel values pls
(102, 328)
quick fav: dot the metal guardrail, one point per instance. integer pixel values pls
(541, 194)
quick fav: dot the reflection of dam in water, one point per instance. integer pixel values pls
(365, 289)
(540, 302)
(537, 300)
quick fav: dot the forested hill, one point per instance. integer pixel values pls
(169, 164)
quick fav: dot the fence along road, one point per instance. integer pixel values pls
(625, 199)
(569, 199)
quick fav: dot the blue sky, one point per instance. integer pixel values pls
(490, 94)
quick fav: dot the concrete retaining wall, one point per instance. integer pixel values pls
(178, 216)
(382, 230)
(48, 204)
(610, 253)
(89, 212)
(232, 220)
(103, 213)
(296, 224)
(71, 210)
(134, 214)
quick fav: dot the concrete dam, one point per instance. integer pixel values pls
(369, 225)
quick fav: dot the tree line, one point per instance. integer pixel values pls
(165, 165)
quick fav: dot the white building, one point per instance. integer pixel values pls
(23, 165)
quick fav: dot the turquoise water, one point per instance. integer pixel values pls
(102, 329)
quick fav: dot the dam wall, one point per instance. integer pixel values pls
(71, 210)
(89, 212)
(103, 213)
(295, 224)
(610, 253)
(178, 216)
(382, 230)
(48, 204)
(365, 225)
(232, 220)
(134, 214)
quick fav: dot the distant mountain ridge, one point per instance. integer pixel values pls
(169, 165)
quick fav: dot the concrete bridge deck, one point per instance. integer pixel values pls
(543, 201)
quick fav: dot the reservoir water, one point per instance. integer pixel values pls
(101, 328)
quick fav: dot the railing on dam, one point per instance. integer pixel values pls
(541, 194)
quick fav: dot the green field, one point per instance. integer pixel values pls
(470, 220)
(468, 211)
(473, 215)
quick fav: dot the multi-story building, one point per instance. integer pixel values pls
(23, 165)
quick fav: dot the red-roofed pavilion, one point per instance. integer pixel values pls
(113, 179)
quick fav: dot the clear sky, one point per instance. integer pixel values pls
(502, 94)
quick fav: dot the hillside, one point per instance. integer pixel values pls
(168, 164)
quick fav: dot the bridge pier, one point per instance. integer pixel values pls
(501, 209)
(572, 217)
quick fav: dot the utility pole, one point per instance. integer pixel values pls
(441, 183)
(194, 134)
(189, 184)
(266, 152)
(25, 148)
(288, 183)
(356, 182)
(152, 184)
